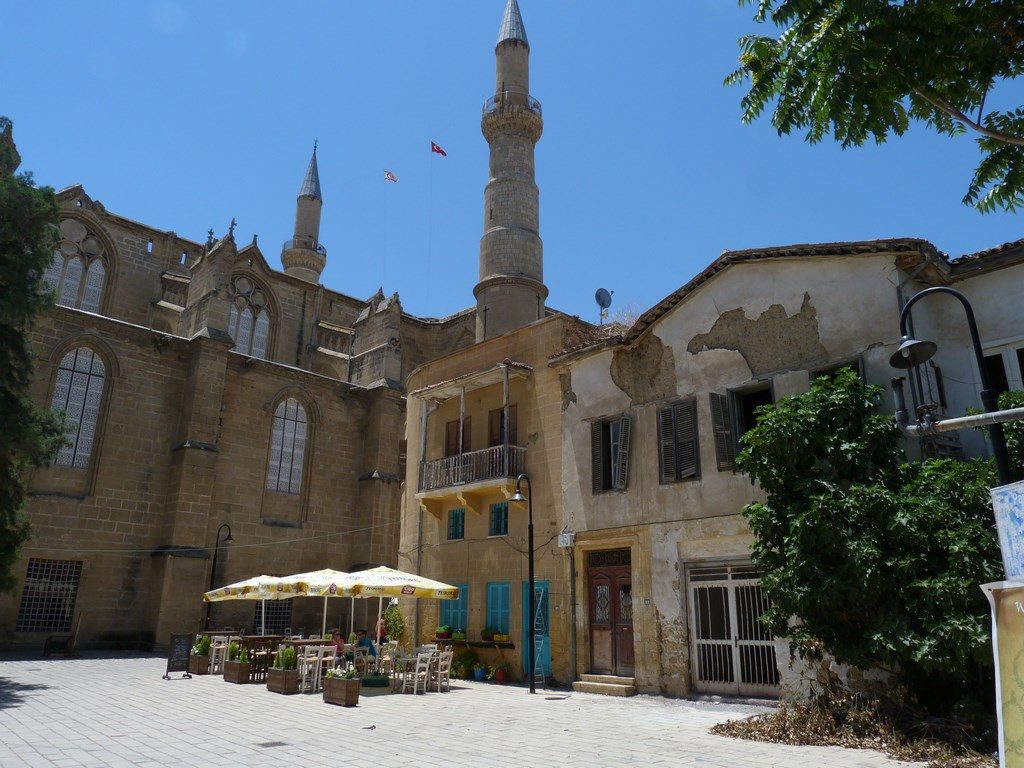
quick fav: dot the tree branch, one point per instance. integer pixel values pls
(944, 106)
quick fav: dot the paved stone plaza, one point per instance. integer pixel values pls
(119, 712)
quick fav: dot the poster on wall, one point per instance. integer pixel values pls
(1007, 601)
(1008, 506)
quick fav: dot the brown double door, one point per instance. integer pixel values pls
(610, 586)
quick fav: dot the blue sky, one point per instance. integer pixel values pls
(185, 114)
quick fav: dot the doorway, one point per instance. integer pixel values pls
(733, 653)
(610, 589)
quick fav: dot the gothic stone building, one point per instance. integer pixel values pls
(203, 387)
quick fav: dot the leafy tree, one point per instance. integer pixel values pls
(878, 560)
(865, 69)
(29, 435)
(1014, 430)
(394, 622)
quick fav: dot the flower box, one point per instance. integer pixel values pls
(198, 665)
(282, 680)
(236, 671)
(338, 690)
(500, 638)
(458, 635)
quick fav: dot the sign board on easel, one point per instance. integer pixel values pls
(178, 651)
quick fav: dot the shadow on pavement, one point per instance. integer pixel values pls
(12, 693)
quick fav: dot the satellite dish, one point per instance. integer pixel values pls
(604, 300)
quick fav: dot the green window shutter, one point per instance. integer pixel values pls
(725, 441)
(621, 478)
(667, 445)
(687, 444)
(596, 456)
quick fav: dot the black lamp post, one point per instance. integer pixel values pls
(912, 353)
(518, 497)
(213, 570)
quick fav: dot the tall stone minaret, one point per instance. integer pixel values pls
(511, 291)
(303, 256)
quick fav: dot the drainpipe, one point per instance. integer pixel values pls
(928, 427)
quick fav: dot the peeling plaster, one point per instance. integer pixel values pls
(568, 396)
(771, 342)
(647, 372)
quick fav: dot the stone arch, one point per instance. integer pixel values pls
(83, 237)
(283, 441)
(242, 300)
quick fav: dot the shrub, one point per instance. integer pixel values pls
(462, 664)
(233, 651)
(394, 622)
(202, 646)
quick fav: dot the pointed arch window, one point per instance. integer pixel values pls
(79, 270)
(287, 447)
(249, 319)
(78, 393)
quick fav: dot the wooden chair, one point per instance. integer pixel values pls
(441, 673)
(218, 652)
(419, 675)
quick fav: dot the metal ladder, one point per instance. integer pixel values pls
(539, 630)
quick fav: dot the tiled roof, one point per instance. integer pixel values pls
(973, 259)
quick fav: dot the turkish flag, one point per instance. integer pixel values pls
(435, 148)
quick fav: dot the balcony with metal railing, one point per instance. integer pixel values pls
(306, 244)
(470, 477)
(500, 101)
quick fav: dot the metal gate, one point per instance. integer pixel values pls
(732, 652)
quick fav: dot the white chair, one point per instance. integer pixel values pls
(362, 661)
(441, 673)
(419, 674)
(218, 652)
(326, 657)
(308, 663)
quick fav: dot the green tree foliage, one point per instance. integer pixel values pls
(1014, 430)
(878, 560)
(394, 622)
(29, 435)
(867, 69)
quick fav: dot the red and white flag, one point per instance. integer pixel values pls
(434, 147)
(389, 176)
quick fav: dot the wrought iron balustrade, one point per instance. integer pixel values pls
(308, 244)
(464, 468)
(510, 98)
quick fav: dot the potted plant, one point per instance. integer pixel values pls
(444, 632)
(199, 659)
(236, 666)
(462, 664)
(458, 634)
(487, 634)
(499, 672)
(341, 687)
(283, 677)
(501, 637)
(479, 672)
(394, 622)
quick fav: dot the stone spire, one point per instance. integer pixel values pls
(303, 256)
(512, 27)
(511, 291)
(311, 184)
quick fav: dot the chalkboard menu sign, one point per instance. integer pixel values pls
(178, 651)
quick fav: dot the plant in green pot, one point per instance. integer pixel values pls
(458, 634)
(487, 634)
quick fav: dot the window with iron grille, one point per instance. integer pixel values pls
(287, 448)
(48, 597)
(456, 524)
(78, 392)
(499, 519)
(678, 445)
(279, 617)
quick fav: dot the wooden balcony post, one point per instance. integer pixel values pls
(505, 426)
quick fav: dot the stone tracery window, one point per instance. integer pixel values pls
(287, 447)
(249, 321)
(78, 392)
(78, 273)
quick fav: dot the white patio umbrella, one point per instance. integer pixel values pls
(317, 584)
(260, 588)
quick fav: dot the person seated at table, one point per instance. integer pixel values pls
(364, 642)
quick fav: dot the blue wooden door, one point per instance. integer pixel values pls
(543, 603)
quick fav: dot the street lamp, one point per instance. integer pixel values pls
(912, 353)
(519, 498)
(213, 570)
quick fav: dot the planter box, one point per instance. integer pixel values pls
(282, 681)
(342, 692)
(198, 665)
(500, 638)
(236, 671)
(376, 681)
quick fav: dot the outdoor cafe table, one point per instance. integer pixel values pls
(406, 664)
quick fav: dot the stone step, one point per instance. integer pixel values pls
(612, 679)
(606, 689)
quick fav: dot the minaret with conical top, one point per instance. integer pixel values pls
(511, 290)
(303, 256)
